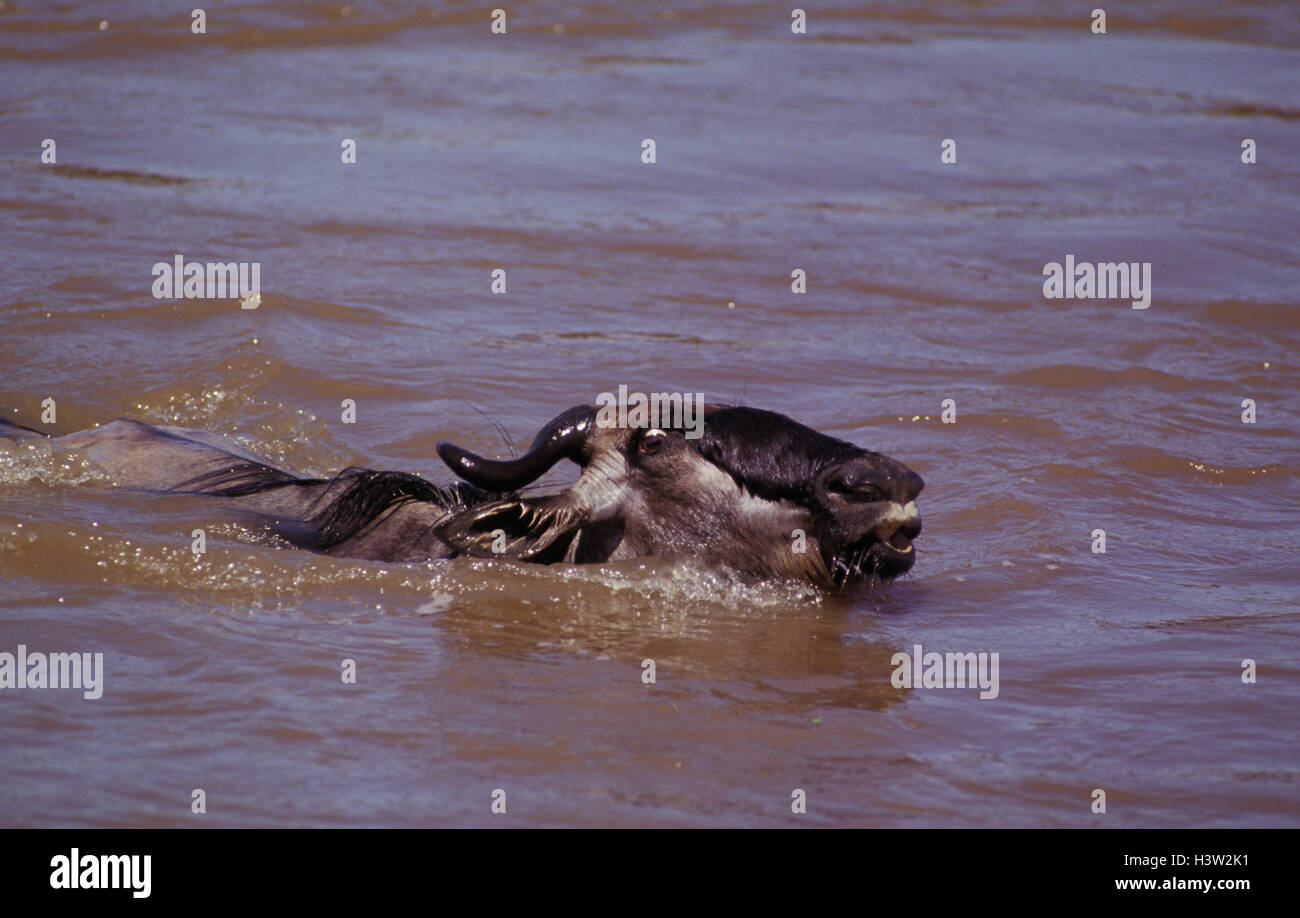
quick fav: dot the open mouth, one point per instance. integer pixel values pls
(898, 543)
(875, 558)
(889, 557)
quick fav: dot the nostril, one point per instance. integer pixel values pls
(857, 487)
(913, 484)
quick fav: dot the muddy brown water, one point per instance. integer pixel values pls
(1119, 671)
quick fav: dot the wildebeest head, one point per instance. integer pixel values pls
(756, 492)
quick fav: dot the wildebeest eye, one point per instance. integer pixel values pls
(652, 441)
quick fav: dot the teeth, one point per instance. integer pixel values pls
(896, 535)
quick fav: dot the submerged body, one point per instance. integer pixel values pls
(758, 494)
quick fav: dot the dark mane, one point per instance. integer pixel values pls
(370, 495)
(768, 453)
(347, 504)
(241, 480)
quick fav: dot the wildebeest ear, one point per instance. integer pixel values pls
(528, 529)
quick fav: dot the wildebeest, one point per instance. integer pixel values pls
(758, 494)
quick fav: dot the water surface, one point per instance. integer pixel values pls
(775, 152)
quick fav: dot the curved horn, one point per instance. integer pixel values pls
(562, 438)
